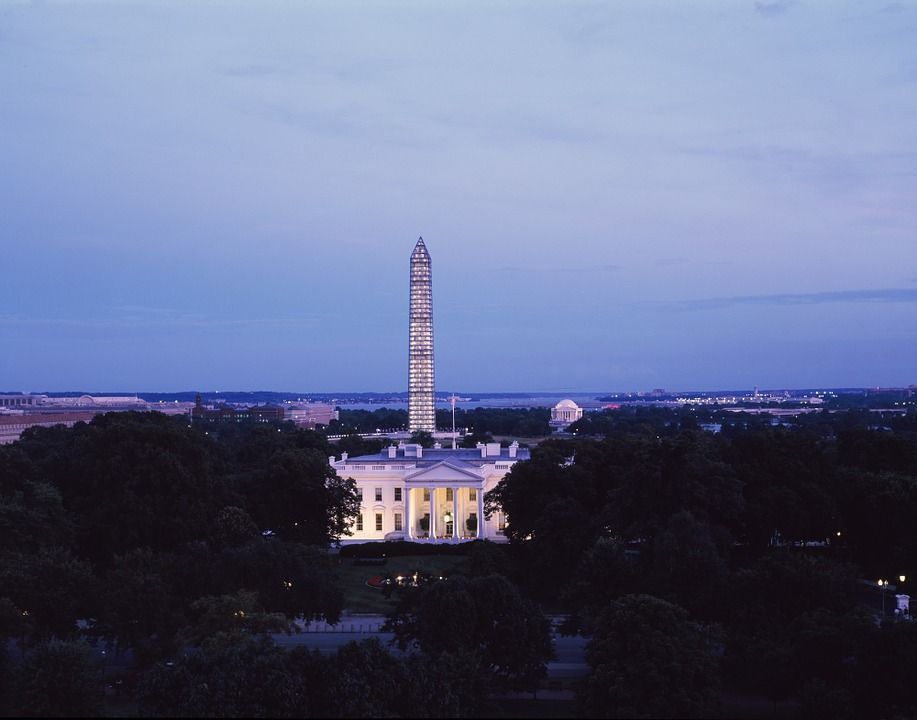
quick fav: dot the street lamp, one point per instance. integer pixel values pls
(883, 584)
(901, 578)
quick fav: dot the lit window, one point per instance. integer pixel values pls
(472, 494)
(426, 495)
(398, 522)
(448, 494)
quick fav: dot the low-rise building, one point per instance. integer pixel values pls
(12, 425)
(309, 415)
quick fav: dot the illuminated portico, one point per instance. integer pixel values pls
(447, 496)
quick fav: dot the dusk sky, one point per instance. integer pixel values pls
(616, 196)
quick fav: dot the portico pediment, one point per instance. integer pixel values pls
(445, 473)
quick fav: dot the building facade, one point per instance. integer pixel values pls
(421, 411)
(564, 414)
(427, 495)
(201, 413)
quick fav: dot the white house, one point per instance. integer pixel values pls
(427, 495)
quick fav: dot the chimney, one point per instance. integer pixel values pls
(483, 448)
(419, 451)
(331, 460)
(513, 448)
(437, 446)
(392, 451)
(343, 457)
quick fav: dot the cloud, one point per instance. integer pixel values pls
(591, 269)
(132, 317)
(602, 268)
(892, 295)
(773, 8)
(253, 70)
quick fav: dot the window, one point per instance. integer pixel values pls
(378, 494)
(501, 522)
(360, 522)
(360, 494)
(448, 494)
(378, 522)
(397, 494)
(473, 494)
(398, 526)
(426, 495)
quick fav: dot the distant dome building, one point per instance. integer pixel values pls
(565, 413)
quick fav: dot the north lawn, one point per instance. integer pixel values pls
(361, 598)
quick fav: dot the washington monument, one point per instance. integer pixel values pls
(421, 412)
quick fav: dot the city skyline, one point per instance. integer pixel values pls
(621, 197)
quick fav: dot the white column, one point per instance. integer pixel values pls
(461, 510)
(433, 513)
(408, 529)
(480, 492)
(455, 516)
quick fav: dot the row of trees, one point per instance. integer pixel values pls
(697, 560)
(141, 534)
(514, 422)
(179, 551)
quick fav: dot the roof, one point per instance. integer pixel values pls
(567, 404)
(432, 456)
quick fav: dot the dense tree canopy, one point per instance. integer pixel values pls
(692, 560)
(161, 516)
(493, 621)
(649, 660)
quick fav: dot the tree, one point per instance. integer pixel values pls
(139, 608)
(237, 613)
(230, 676)
(59, 679)
(51, 588)
(509, 633)
(354, 445)
(422, 437)
(233, 527)
(648, 659)
(367, 681)
(301, 498)
(31, 511)
(131, 480)
(687, 564)
(289, 578)
(453, 686)
(604, 573)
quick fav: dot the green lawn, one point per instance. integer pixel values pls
(360, 598)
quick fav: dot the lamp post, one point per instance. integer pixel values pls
(882, 585)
